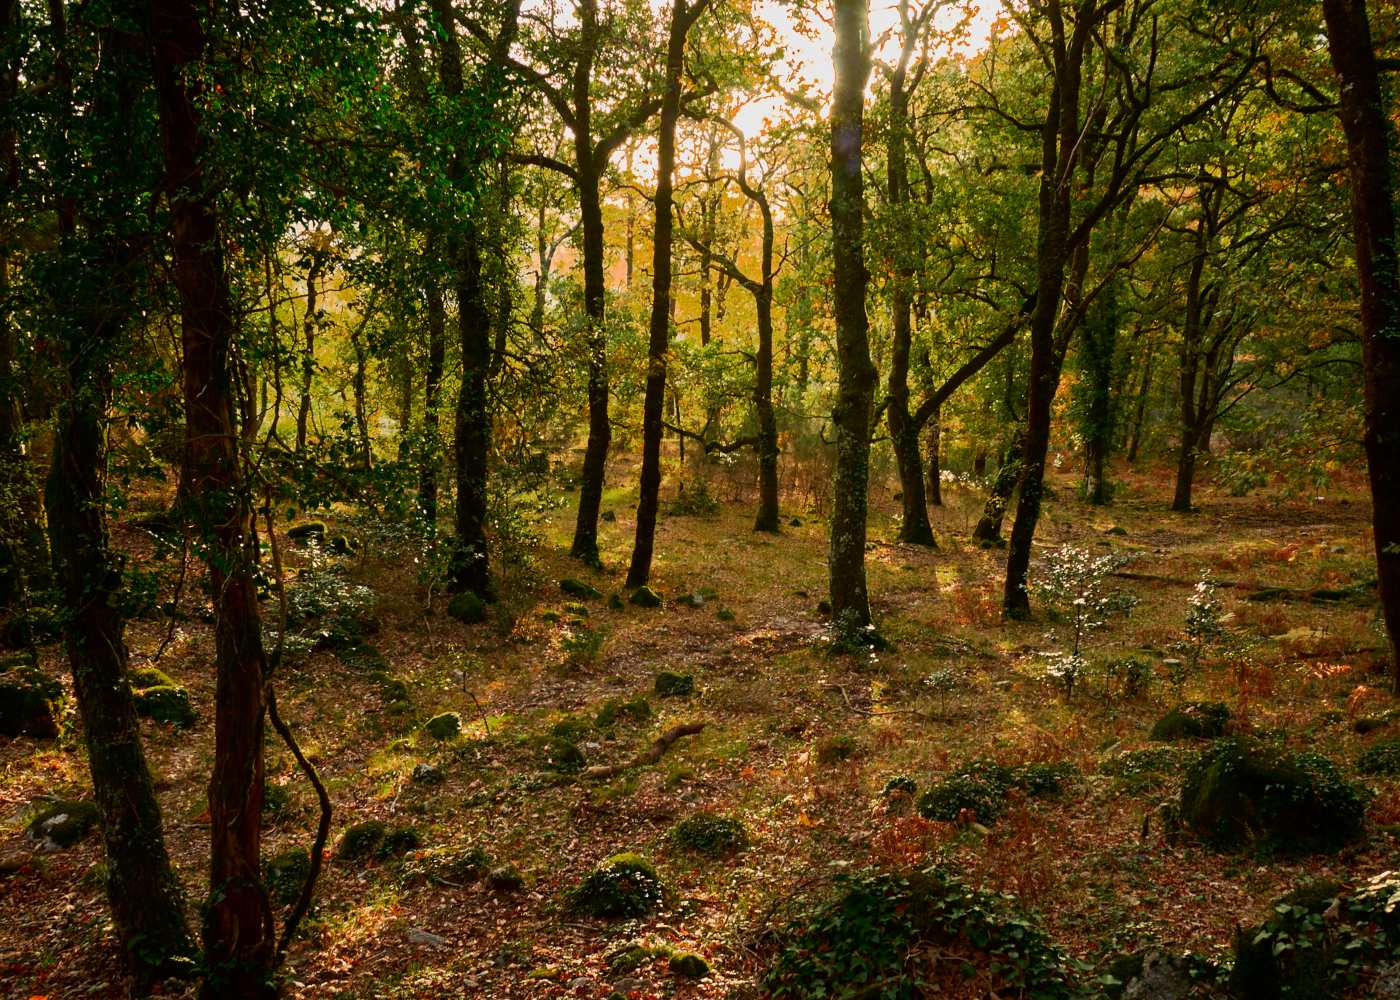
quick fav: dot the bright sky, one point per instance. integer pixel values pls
(808, 45)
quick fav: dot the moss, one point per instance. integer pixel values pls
(285, 874)
(724, 615)
(625, 885)
(1197, 720)
(392, 689)
(561, 755)
(149, 677)
(574, 587)
(450, 865)
(711, 835)
(646, 597)
(505, 879)
(672, 685)
(374, 840)
(307, 531)
(900, 783)
(344, 545)
(63, 823)
(571, 728)
(688, 965)
(1241, 794)
(30, 703)
(166, 704)
(835, 749)
(1382, 758)
(444, 727)
(467, 608)
(636, 709)
(576, 609)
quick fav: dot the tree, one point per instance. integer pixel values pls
(1373, 151)
(850, 417)
(683, 16)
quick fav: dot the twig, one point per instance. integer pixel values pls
(649, 756)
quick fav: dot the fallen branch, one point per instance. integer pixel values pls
(650, 756)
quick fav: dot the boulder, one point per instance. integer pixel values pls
(307, 532)
(646, 597)
(581, 589)
(1196, 720)
(166, 703)
(673, 685)
(62, 824)
(625, 885)
(1241, 794)
(443, 727)
(688, 965)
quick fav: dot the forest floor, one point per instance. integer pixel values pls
(771, 695)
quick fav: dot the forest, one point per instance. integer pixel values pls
(628, 499)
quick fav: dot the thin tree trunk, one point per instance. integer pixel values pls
(310, 321)
(856, 375)
(595, 456)
(238, 930)
(988, 529)
(935, 463)
(431, 457)
(1372, 148)
(659, 341)
(767, 517)
(1140, 413)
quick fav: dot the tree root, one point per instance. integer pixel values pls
(650, 756)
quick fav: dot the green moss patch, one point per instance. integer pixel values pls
(711, 835)
(625, 885)
(167, 704)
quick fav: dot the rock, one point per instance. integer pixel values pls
(307, 532)
(672, 685)
(427, 774)
(691, 600)
(580, 589)
(724, 615)
(344, 545)
(443, 727)
(505, 879)
(689, 966)
(1199, 720)
(167, 704)
(149, 677)
(625, 885)
(615, 602)
(637, 709)
(582, 982)
(30, 702)
(824, 608)
(711, 835)
(646, 597)
(1242, 793)
(467, 608)
(1117, 529)
(562, 755)
(426, 938)
(62, 824)
(374, 840)
(286, 873)
(629, 985)
(1151, 975)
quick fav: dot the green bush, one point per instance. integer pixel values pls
(1240, 793)
(711, 835)
(1383, 758)
(625, 885)
(981, 786)
(883, 931)
(166, 704)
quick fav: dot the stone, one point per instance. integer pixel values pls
(167, 704)
(581, 589)
(427, 938)
(689, 966)
(443, 727)
(307, 532)
(1199, 720)
(62, 824)
(427, 774)
(673, 685)
(505, 879)
(646, 597)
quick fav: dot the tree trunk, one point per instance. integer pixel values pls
(1097, 349)
(988, 530)
(310, 321)
(659, 340)
(431, 457)
(1372, 148)
(856, 375)
(595, 456)
(935, 463)
(1140, 413)
(767, 517)
(238, 931)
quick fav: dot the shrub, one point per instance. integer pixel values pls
(1147, 769)
(582, 644)
(1383, 758)
(625, 885)
(1073, 581)
(981, 786)
(1196, 720)
(561, 755)
(467, 608)
(1241, 793)
(167, 704)
(450, 865)
(711, 835)
(888, 929)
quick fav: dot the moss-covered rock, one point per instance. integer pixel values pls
(444, 727)
(1241, 793)
(562, 755)
(1381, 758)
(374, 840)
(614, 710)
(711, 835)
(581, 589)
(344, 545)
(688, 965)
(1192, 720)
(307, 532)
(167, 704)
(505, 879)
(615, 601)
(450, 865)
(30, 702)
(467, 608)
(286, 873)
(63, 823)
(673, 685)
(646, 597)
(149, 677)
(625, 885)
